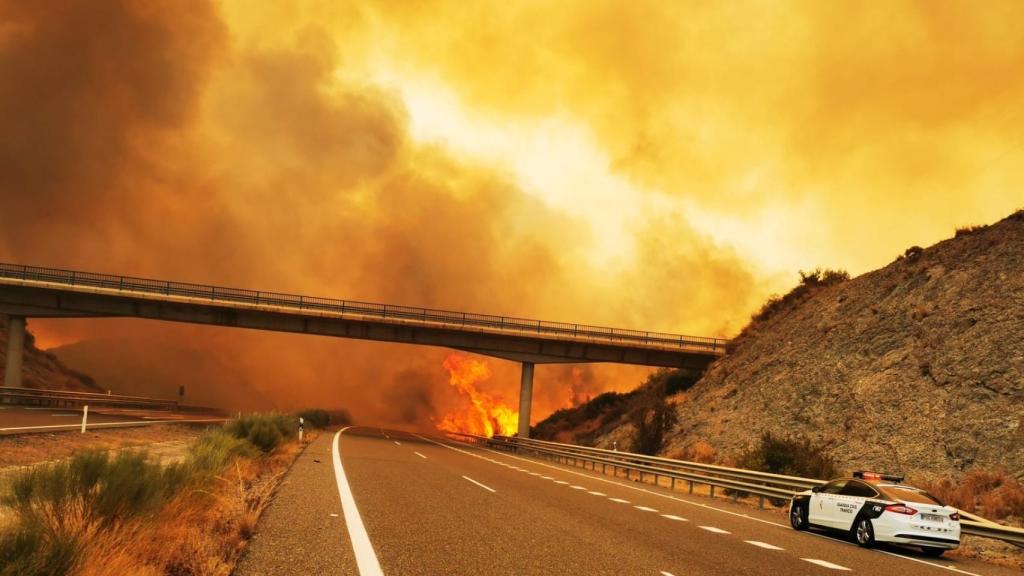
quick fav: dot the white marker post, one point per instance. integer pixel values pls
(85, 416)
(300, 429)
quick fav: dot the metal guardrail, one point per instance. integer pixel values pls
(70, 399)
(736, 481)
(129, 285)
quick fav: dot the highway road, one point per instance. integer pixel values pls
(23, 420)
(367, 501)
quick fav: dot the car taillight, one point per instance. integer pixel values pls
(954, 517)
(900, 509)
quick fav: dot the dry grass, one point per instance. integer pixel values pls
(34, 448)
(992, 494)
(200, 530)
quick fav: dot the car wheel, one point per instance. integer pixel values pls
(798, 516)
(932, 552)
(864, 533)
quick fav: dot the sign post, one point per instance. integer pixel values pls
(300, 429)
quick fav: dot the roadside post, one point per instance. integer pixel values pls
(85, 416)
(300, 429)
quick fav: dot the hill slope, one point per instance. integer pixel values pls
(917, 367)
(41, 369)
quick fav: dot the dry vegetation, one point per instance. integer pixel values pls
(32, 448)
(98, 514)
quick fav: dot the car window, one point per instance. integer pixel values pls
(910, 494)
(858, 489)
(833, 487)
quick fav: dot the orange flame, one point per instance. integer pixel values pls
(484, 416)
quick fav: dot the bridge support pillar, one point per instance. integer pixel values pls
(15, 350)
(525, 399)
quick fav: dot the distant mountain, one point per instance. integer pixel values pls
(153, 368)
(917, 367)
(41, 369)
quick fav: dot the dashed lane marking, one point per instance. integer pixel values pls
(645, 508)
(824, 564)
(420, 455)
(714, 530)
(397, 443)
(619, 500)
(577, 487)
(479, 484)
(674, 517)
(560, 482)
(764, 545)
(597, 493)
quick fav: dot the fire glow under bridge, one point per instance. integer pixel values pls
(29, 291)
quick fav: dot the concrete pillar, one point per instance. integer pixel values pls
(15, 350)
(525, 399)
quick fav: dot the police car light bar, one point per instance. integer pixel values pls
(876, 476)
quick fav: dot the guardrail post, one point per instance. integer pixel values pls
(15, 350)
(691, 487)
(760, 502)
(712, 491)
(85, 416)
(673, 483)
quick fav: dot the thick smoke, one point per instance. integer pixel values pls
(170, 139)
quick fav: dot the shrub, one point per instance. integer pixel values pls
(790, 456)
(215, 448)
(993, 494)
(265, 431)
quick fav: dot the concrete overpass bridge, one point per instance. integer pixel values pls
(29, 291)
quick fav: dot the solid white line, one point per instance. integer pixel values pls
(674, 517)
(645, 508)
(619, 500)
(366, 559)
(420, 455)
(479, 484)
(715, 530)
(824, 564)
(764, 545)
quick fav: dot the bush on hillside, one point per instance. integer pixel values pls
(652, 415)
(790, 456)
(992, 494)
(265, 431)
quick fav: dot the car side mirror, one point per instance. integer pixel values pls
(816, 489)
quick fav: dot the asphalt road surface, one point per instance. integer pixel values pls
(22, 420)
(369, 501)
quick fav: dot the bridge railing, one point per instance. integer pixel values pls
(736, 482)
(214, 294)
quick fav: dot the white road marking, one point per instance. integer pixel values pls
(479, 484)
(597, 493)
(333, 515)
(645, 508)
(674, 517)
(534, 473)
(420, 455)
(619, 500)
(824, 564)
(366, 559)
(764, 545)
(663, 573)
(715, 530)
(546, 478)
(560, 482)
(577, 487)
(397, 443)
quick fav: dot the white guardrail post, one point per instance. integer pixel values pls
(85, 416)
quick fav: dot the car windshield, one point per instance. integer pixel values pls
(910, 494)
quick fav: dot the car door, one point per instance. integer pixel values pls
(848, 503)
(822, 508)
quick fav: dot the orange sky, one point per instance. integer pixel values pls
(657, 165)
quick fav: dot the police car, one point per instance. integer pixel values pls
(878, 508)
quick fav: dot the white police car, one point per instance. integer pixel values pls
(878, 508)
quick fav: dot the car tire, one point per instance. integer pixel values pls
(798, 516)
(932, 552)
(864, 533)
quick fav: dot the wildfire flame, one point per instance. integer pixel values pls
(484, 415)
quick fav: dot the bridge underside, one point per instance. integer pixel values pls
(26, 301)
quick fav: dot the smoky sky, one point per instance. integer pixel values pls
(246, 146)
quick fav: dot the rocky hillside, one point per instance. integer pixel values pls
(917, 367)
(42, 369)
